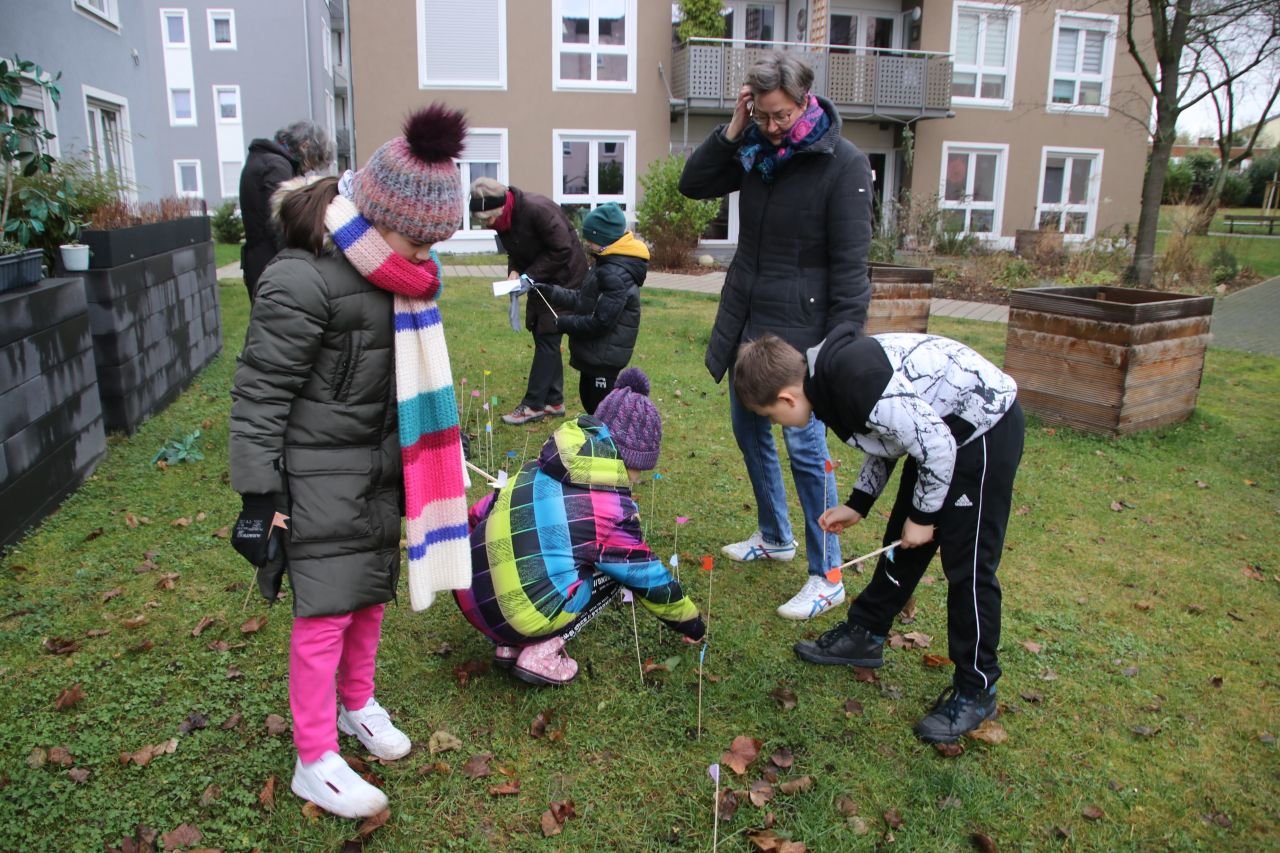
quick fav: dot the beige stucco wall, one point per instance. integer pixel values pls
(385, 63)
(1028, 126)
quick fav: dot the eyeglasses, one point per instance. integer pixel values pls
(780, 120)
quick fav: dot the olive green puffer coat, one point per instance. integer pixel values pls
(313, 422)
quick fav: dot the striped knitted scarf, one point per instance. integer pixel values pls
(430, 442)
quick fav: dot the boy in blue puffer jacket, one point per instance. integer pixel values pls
(604, 318)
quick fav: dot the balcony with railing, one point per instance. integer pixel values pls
(863, 83)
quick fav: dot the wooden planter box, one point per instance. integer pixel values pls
(51, 427)
(122, 245)
(155, 325)
(1107, 360)
(900, 298)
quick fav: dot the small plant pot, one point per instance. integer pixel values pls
(75, 257)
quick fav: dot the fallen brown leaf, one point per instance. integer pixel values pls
(553, 819)
(59, 646)
(741, 753)
(852, 708)
(846, 806)
(93, 534)
(465, 670)
(1144, 605)
(111, 593)
(437, 767)
(761, 792)
(194, 721)
(949, 750)
(983, 843)
(785, 697)
(168, 580)
(1252, 572)
(990, 732)
(97, 632)
(276, 725)
(79, 775)
(61, 756)
(782, 758)
(799, 784)
(211, 795)
(222, 533)
(234, 672)
(918, 640)
(205, 622)
(311, 811)
(1032, 646)
(1092, 812)
(507, 788)
(180, 522)
(267, 796)
(68, 697)
(183, 835)
(936, 660)
(477, 766)
(1145, 731)
(442, 741)
(254, 624)
(1032, 695)
(538, 727)
(232, 721)
(135, 622)
(894, 820)
(865, 675)
(728, 805)
(372, 824)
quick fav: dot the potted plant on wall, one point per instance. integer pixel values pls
(22, 153)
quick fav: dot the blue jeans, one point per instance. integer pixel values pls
(807, 449)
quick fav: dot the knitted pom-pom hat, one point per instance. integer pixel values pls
(633, 420)
(411, 184)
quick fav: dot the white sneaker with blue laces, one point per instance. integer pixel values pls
(816, 597)
(755, 548)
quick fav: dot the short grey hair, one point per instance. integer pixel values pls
(308, 143)
(778, 70)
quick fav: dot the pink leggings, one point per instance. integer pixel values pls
(320, 649)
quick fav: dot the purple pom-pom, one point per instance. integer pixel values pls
(435, 133)
(633, 378)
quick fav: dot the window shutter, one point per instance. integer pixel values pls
(1094, 42)
(460, 41)
(967, 38)
(996, 42)
(483, 146)
(1066, 58)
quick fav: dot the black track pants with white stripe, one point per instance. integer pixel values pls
(970, 533)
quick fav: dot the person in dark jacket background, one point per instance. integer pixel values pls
(539, 242)
(605, 318)
(800, 269)
(300, 148)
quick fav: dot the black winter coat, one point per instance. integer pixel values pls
(801, 264)
(542, 244)
(267, 166)
(605, 321)
(314, 423)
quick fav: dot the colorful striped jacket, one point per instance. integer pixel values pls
(559, 539)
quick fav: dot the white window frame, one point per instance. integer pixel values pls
(427, 82)
(217, 104)
(1093, 194)
(1014, 14)
(128, 171)
(108, 16)
(222, 175)
(230, 15)
(324, 46)
(165, 15)
(1001, 150)
(464, 174)
(177, 179)
(560, 136)
(174, 121)
(594, 49)
(1107, 24)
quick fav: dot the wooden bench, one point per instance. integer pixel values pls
(1269, 220)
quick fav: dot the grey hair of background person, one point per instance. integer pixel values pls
(486, 187)
(309, 143)
(783, 71)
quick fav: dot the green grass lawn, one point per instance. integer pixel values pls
(226, 253)
(1262, 254)
(1139, 650)
(471, 260)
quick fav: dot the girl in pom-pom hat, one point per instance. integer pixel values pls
(550, 549)
(343, 413)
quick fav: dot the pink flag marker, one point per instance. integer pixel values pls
(714, 772)
(475, 394)
(682, 519)
(627, 598)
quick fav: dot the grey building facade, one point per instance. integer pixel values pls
(169, 94)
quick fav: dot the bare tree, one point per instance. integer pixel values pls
(1187, 50)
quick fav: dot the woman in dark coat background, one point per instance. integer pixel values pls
(300, 148)
(539, 242)
(800, 269)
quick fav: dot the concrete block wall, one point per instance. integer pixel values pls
(155, 325)
(52, 432)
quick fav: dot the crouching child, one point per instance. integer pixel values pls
(956, 418)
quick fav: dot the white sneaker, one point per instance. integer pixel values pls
(815, 597)
(372, 724)
(755, 548)
(336, 788)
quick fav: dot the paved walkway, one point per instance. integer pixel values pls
(1247, 321)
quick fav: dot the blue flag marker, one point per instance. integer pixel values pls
(702, 655)
(657, 476)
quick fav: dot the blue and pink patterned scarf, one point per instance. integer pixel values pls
(758, 153)
(430, 440)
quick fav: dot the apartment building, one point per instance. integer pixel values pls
(169, 93)
(1015, 115)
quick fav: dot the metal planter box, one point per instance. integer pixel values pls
(900, 298)
(1107, 360)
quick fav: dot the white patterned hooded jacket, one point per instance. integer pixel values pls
(902, 394)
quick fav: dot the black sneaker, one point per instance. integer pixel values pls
(843, 645)
(956, 714)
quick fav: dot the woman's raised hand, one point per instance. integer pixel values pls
(741, 115)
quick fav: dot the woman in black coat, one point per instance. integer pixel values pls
(295, 150)
(801, 268)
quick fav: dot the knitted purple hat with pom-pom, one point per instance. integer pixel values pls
(633, 420)
(411, 184)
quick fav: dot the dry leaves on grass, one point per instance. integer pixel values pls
(797, 785)
(194, 721)
(949, 750)
(785, 697)
(1252, 572)
(865, 675)
(79, 775)
(508, 788)
(183, 835)
(212, 794)
(936, 660)
(1092, 812)
(553, 819)
(666, 665)
(741, 753)
(144, 756)
(893, 819)
(990, 732)
(276, 725)
(538, 726)
(983, 843)
(1032, 646)
(469, 668)
(202, 625)
(761, 792)
(168, 580)
(782, 758)
(477, 766)
(768, 841)
(852, 708)
(111, 593)
(254, 624)
(1032, 695)
(728, 805)
(267, 796)
(69, 697)
(373, 823)
(59, 646)
(442, 741)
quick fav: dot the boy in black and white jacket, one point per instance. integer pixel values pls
(956, 418)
